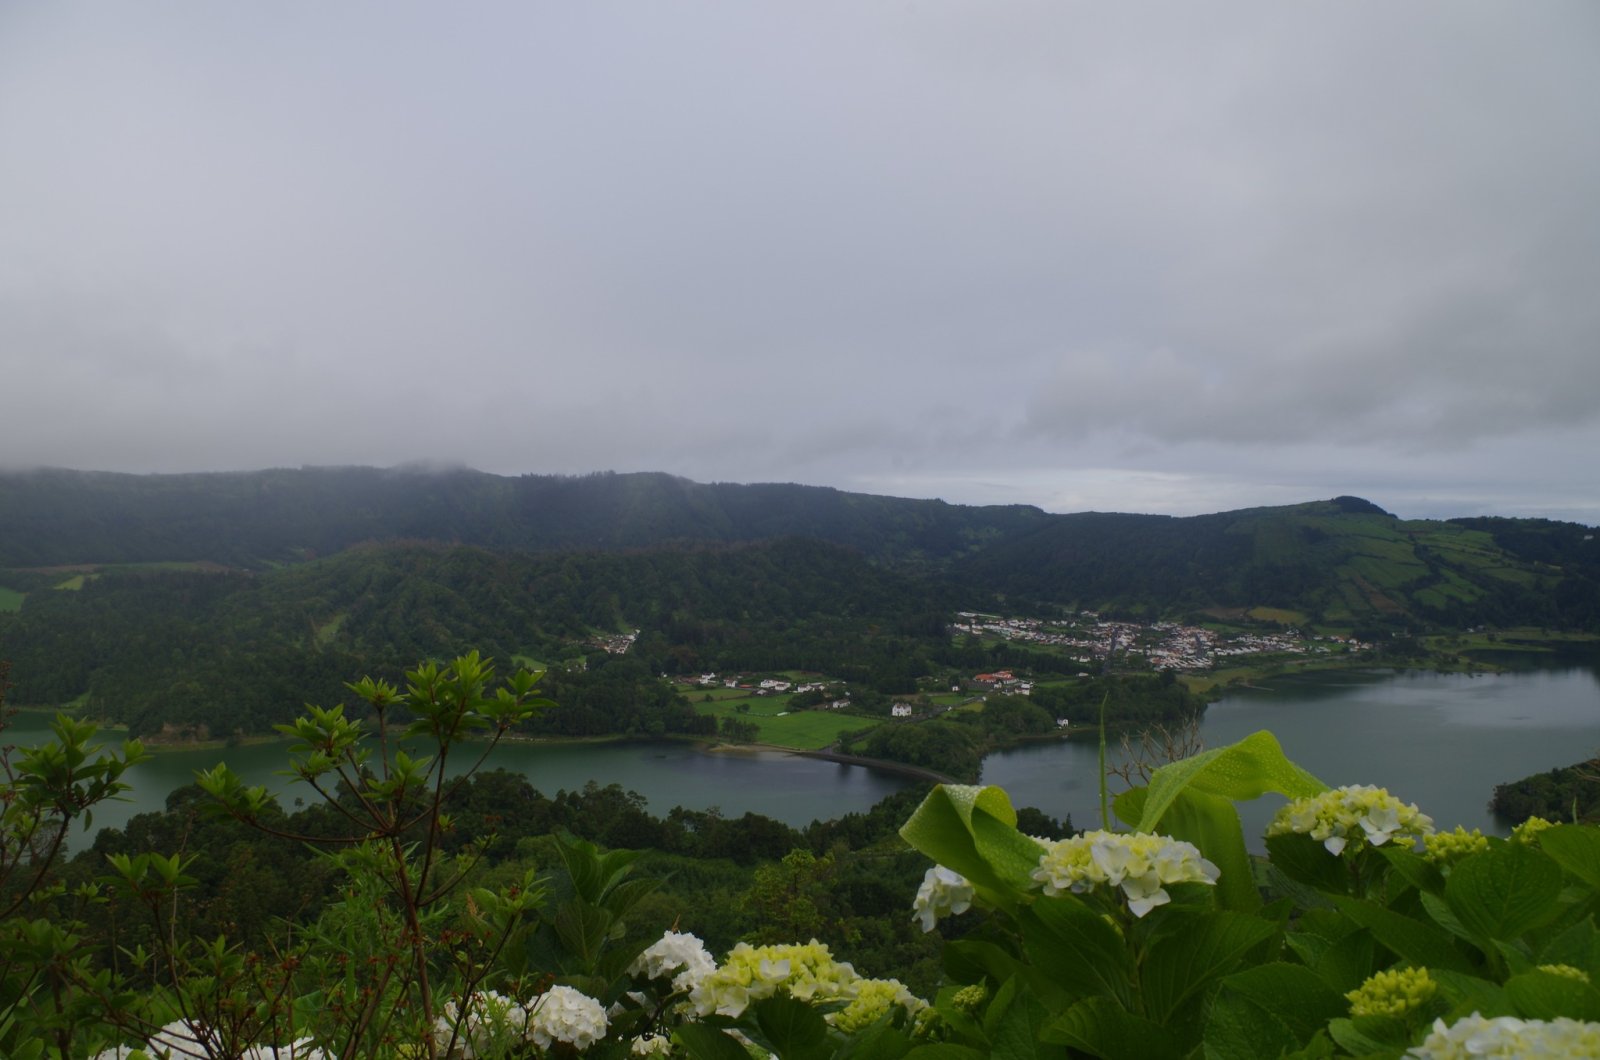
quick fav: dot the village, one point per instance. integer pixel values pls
(1164, 645)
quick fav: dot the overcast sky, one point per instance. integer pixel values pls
(1159, 257)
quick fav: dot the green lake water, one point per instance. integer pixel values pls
(1440, 740)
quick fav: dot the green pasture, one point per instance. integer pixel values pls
(1282, 616)
(74, 583)
(10, 599)
(330, 629)
(805, 730)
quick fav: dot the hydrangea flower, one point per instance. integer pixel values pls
(492, 1022)
(651, 1045)
(678, 954)
(1442, 848)
(184, 1039)
(1475, 1036)
(873, 1000)
(1528, 831)
(807, 972)
(1355, 813)
(944, 892)
(562, 1014)
(1565, 970)
(1394, 992)
(1140, 863)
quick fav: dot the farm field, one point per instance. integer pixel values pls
(806, 730)
(10, 599)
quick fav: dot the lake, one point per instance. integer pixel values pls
(1442, 741)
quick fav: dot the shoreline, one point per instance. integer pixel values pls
(883, 765)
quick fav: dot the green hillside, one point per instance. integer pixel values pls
(1342, 561)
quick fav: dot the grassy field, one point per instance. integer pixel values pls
(805, 730)
(74, 583)
(329, 629)
(10, 599)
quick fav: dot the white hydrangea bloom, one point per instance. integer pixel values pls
(1139, 863)
(494, 1021)
(806, 972)
(1476, 1036)
(944, 892)
(181, 1039)
(562, 1014)
(1358, 813)
(679, 954)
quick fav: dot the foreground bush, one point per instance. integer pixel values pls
(1365, 932)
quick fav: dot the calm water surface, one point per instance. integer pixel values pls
(786, 787)
(1442, 741)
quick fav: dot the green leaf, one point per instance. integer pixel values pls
(1269, 1010)
(940, 1051)
(582, 929)
(704, 1042)
(1413, 940)
(1211, 823)
(972, 960)
(1469, 993)
(878, 1042)
(1307, 861)
(1504, 891)
(1346, 963)
(1574, 946)
(793, 1029)
(1547, 995)
(1077, 948)
(1421, 874)
(1191, 959)
(1576, 848)
(1355, 1041)
(1244, 770)
(973, 831)
(1100, 1026)
(1015, 1034)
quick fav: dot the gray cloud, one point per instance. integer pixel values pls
(1139, 257)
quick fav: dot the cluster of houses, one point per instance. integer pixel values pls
(615, 643)
(1167, 645)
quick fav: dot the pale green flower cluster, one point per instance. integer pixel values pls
(1474, 1036)
(1528, 831)
(1394, 992)
(944, 892)
(652, 1045)
(1565, 970)
(678, 954)
(874, 998)
(1354, 814)
(1443, 848)
(1140, 863)
(806, 972)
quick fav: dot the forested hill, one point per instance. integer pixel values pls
(239, 652)
(1343, 562)
(248, 519)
